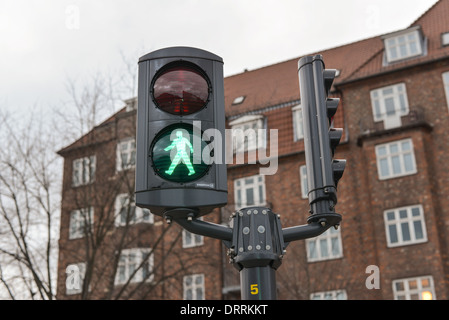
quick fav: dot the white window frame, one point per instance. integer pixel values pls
(80, 268)
(380, 99)
(79, 220)
(195, 283)
(83, 171)
(445, 39)
(243, 184)
(329, 295)
(329, 239)
(298, 125)
(304, 183)
(413, 288)
(252, 129)
(190, 240)
(403, 45)
(445, 76)
(400, 154)
(123, 201)
(126, 148)
(405, 219)
(129, 261)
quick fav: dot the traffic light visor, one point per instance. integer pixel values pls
(181, 89)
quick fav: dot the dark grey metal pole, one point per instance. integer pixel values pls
(258, 283)
(256, 251)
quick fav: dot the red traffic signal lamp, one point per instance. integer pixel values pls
(181, 89)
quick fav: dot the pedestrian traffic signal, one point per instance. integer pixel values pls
(180, 165)
(172, 154)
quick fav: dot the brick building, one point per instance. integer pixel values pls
(394, 92)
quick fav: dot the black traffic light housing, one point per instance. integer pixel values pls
(320, 138)
(180, 165)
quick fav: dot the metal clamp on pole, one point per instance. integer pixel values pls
(257, 250)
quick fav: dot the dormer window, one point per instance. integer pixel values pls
(238, 100)
(131, 104)
(403, 44)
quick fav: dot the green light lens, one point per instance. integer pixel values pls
(174, 157)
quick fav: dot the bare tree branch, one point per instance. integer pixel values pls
(26, 193)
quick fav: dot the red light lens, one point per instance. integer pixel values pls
(181, 90)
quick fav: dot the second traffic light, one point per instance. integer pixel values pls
(180, 165)
(320, 138)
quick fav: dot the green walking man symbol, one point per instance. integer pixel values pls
(180, 143)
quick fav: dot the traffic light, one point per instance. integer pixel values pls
(335, 134)
(320, 138)
(180, 167)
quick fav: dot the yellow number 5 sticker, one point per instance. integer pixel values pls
(254, 289)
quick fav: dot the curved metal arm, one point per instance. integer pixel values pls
(311, 230)
(207, 229)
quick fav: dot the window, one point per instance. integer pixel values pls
(405, 226)
(126, 154)
(238, 100)
(126, 211)
(83, 171)
(446, 86)
(329, 295)
(193, 287)
(80, 222)
(132, 260)
(248, 133)
(131, 104)
(389, 104)
(249, 191)
(420, 288)
(445, 39)
(190, 240)
(395, 159)
(298, 130)
(75, 278)
(404, 44)
(326, 246)
(304, 185)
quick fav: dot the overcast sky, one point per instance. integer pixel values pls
(45, 42)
